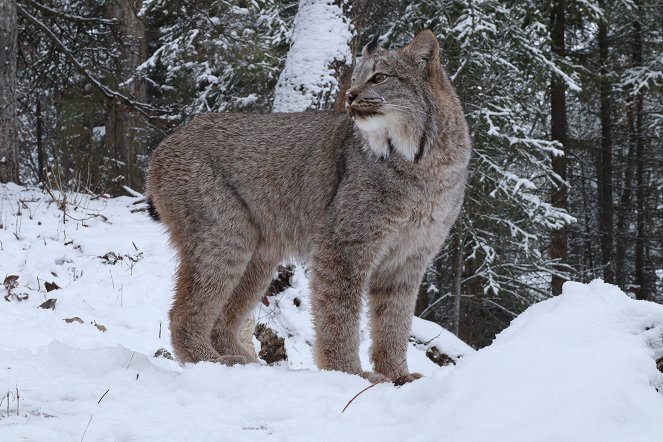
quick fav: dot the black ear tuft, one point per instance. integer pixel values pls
(371, 47)
(433, 24)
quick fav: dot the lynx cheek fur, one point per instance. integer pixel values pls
(366, 198)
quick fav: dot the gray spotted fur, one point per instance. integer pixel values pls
(366, 198)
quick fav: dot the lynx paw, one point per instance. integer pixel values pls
(231, 360)
(407, 378)
(373, 377)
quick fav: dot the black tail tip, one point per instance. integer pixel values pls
(152, 210)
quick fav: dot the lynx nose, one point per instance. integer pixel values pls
(350, 95)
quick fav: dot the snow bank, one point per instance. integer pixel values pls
(579, 367)
(321, 37)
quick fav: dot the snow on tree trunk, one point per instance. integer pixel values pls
(8, 119)
(320, 49)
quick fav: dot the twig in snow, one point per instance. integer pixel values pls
(86, 427)
(128, 365)
(433, 338)
(102, 396)
(92, 415)
(369, 387)
(358, 394)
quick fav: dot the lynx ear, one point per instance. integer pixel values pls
(426, 50)
(371, 47)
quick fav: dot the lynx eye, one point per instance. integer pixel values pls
(379, 78)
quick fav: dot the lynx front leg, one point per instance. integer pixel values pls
(392, 296)
(336, 286)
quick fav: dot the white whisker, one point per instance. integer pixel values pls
(398, 106)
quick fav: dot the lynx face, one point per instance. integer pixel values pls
(391, 98)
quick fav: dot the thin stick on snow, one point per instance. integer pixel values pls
(358, 394)
(128, 365)
(102, 396)
(92, 415)
(86, 427)
(371, 386)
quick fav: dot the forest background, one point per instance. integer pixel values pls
(564, 99)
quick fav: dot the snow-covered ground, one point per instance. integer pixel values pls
(579, 367)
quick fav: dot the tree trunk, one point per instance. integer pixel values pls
(459, 258)
(633, 118)
(120, 141)
(604, 163)
(41, 153)
(643, 290)
(558, 132)
(357, 16)
(317, 59)
(8, 118)
(641, 222)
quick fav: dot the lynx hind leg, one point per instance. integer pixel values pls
(391, 301)
(227, 336)
(207, 277)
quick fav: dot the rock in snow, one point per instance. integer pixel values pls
(579, 367)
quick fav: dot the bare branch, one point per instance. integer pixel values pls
(145, 109)
(48, 10)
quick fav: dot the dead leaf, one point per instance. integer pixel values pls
(163, 353)
(441, 359)
(18, 297)
(272, 347)
(10, 282)
(74, 319)
(100, 327)
(265, 301)
(50, 286)
(111, 258)
(49, 303)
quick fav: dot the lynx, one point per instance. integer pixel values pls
(366, 197)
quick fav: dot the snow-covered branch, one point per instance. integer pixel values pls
(145, 109)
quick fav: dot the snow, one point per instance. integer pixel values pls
(321, 37)
(578, 367)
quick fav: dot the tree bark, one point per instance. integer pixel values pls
(559, 133)
(120, 141)
(459, 258)
(357, 16)
(641, 230)
(8, 117)
(633, 118)
(41, 153)
(604, 163)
